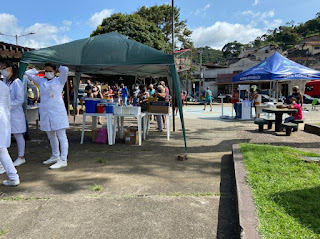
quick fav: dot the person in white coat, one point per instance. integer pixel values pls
(10, 73)
(5, 139)
(53, 114)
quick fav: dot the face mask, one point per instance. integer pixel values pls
(5, 73)
(49, 75)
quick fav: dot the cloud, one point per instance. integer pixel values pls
(9, 24)
(45, 34)
(220, 33)
(256, 2)
(202, 10)
(96, 19)
(259, 15)
(272, 24)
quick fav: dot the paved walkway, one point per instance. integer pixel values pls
(146, 192)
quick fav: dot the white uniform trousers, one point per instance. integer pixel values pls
(56, 137)
(7, 164)
(21, 144)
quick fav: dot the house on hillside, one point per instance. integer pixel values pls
(307, 52)
(259, 53)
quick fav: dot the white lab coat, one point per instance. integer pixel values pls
(18, 120)
(53, 114)
(5, 124)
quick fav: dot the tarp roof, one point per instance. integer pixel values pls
(110, 53)
(277, 67)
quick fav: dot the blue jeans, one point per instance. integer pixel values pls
(124, 101)
(289, 119)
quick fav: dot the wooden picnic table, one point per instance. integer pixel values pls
(279, 112)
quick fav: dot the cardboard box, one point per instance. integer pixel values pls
(131, 136)
(94, 133)
(159, 107)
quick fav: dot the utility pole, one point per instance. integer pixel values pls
(201, 76)
(16, 36)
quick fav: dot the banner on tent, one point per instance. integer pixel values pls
(183, 59)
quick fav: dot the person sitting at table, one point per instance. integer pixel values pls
(294, 116)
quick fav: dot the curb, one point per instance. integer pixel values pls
(248, 220)
(313, 129)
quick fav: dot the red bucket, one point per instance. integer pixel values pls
(101, 108)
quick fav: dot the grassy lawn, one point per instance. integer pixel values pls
(286, 191)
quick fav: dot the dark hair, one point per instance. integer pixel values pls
(15, 71)
(51, 65)
(258, 91)
(142, 87)
(293, 99)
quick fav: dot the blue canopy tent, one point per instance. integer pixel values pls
(277, 67)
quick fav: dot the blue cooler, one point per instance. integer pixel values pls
(109, 109)
(91, 105)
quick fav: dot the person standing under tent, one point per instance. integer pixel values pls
(151, 90)
(167, 99)
(97, 94)
(5, 139)
(296, 94)
(116, 94)
(124, 94)
(88, 91)
(208, 98)
(161, 95)
(53, 114)
(235, 100)
(257, 99)
(18, 120)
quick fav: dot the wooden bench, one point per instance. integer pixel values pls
(261, 123)
(297, 122)
(270, 121)
(289, 127)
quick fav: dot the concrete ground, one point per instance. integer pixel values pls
(145, 192)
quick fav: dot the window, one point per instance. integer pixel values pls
(237, 72)
(317, 47)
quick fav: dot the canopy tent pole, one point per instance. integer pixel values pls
(277, 93)
(173, 88)
(176, 87)
(76, 85)
(68, 96)
(231, 99)
(270, 91)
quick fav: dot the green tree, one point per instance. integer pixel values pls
(135, 27)
(209, 55)
(232, 49)
(161, 16)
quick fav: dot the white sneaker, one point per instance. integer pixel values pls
(11, 183)
(2, 170)
(19, 161)
(59, 164)
(51, 160)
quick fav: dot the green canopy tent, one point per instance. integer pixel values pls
(111, 54)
